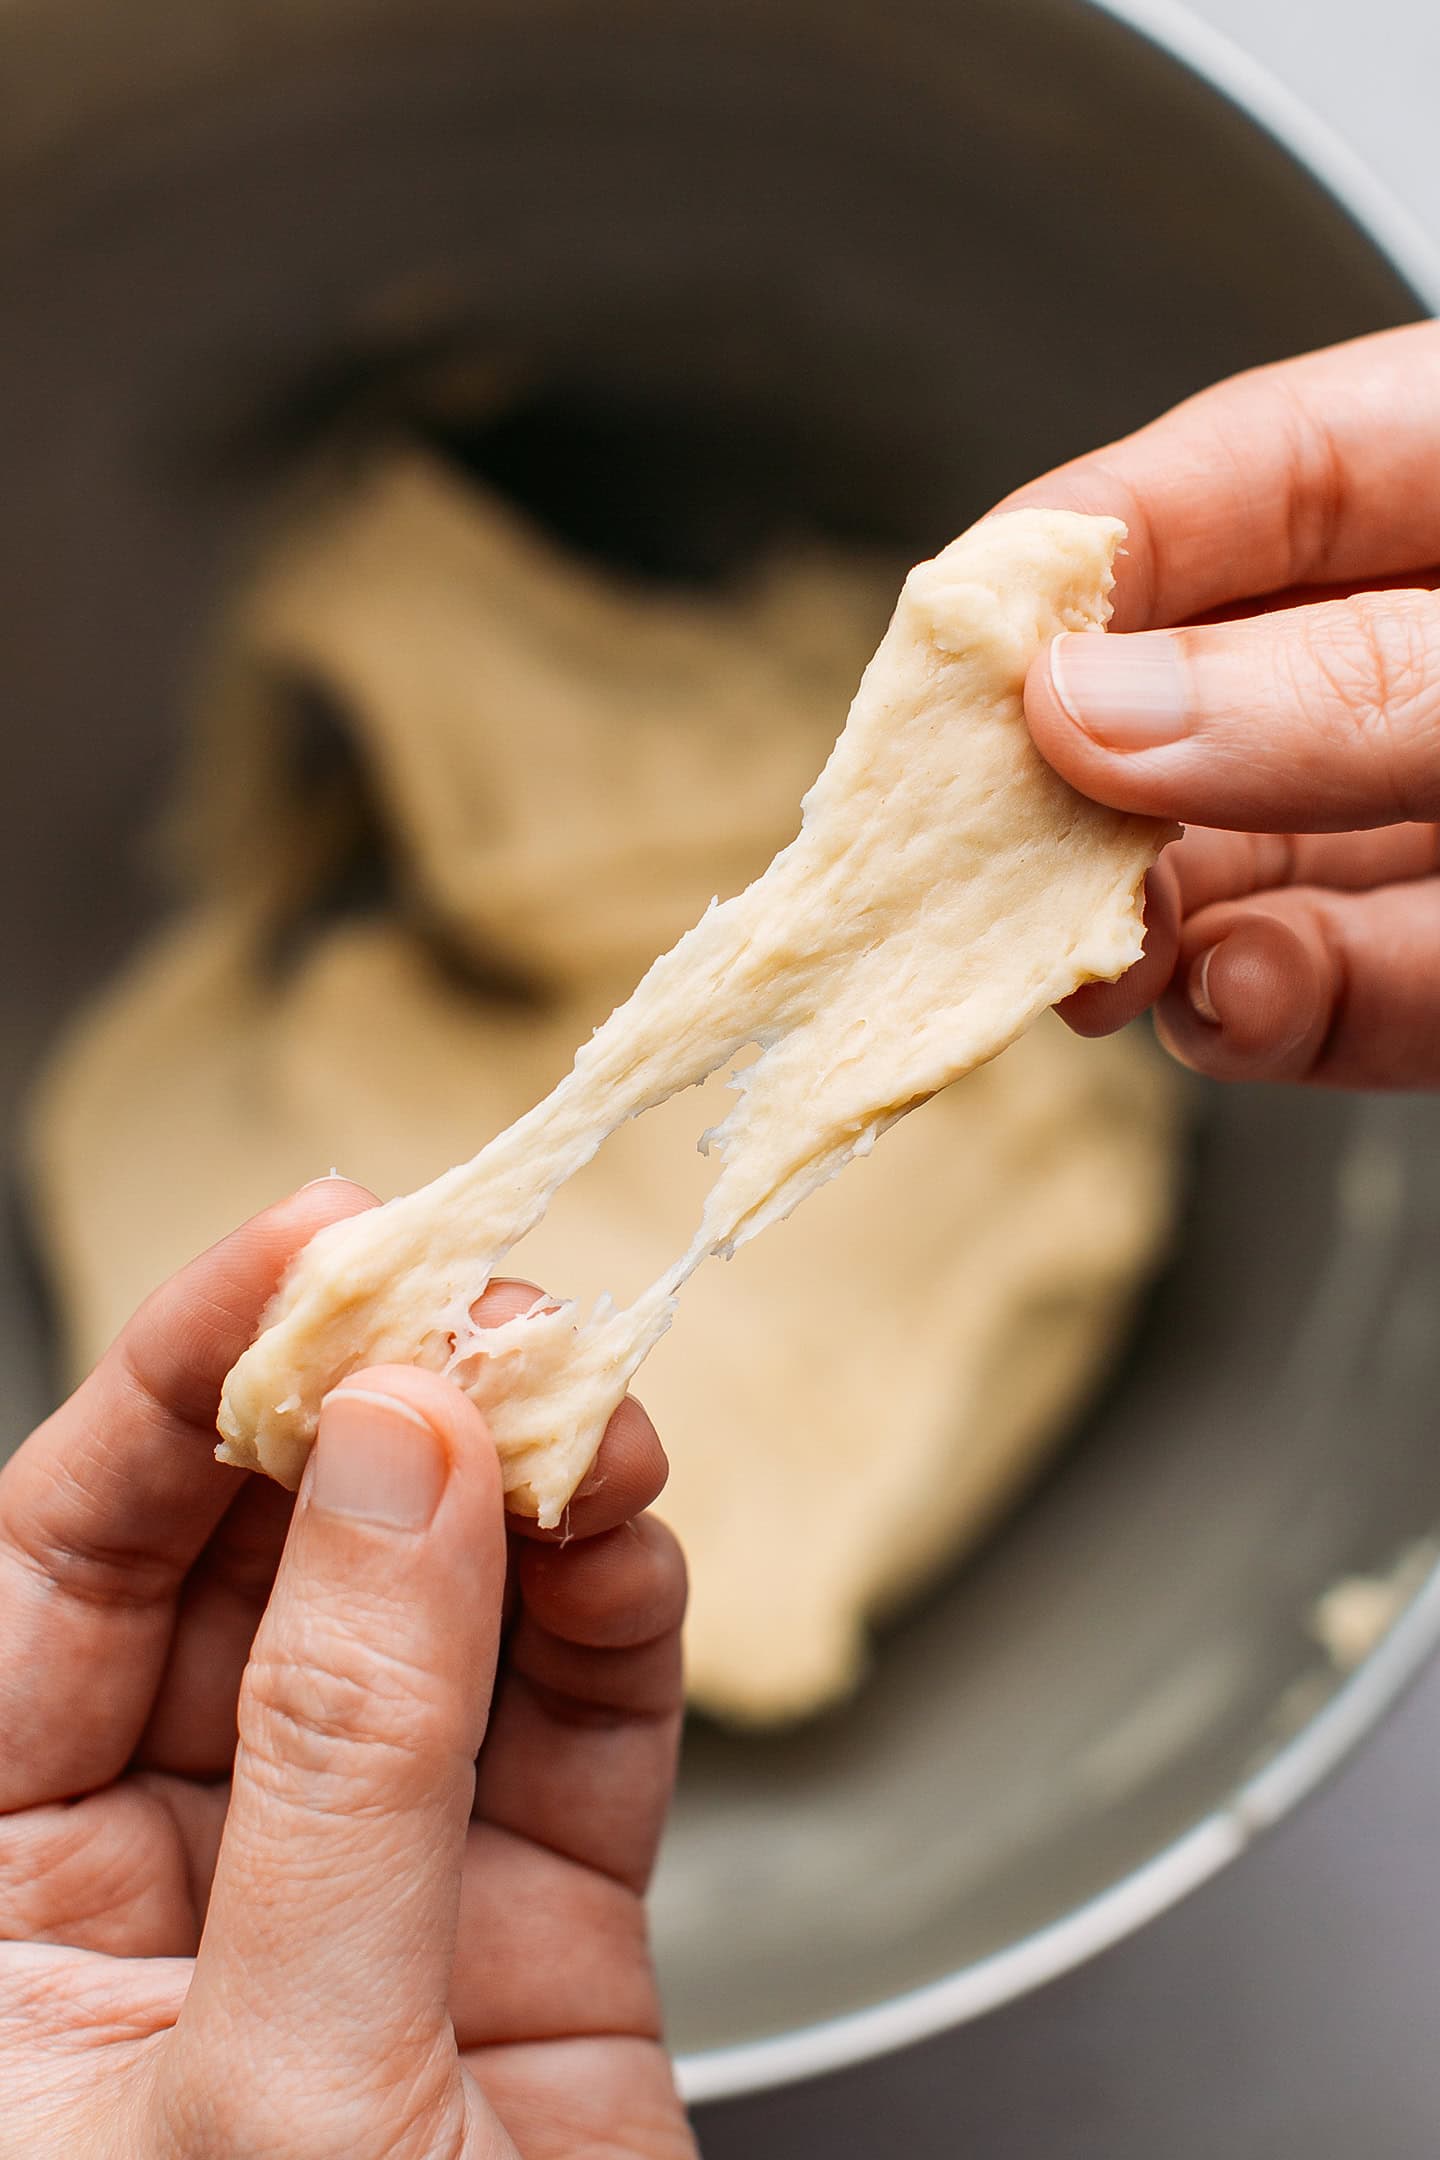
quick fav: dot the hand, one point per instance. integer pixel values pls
(329, 1937)
(1294, 933)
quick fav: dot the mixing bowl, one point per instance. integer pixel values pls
(866, 265)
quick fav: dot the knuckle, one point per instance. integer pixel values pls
(57, 1543)
(582, 1685)
(333, 1706)
(1377, 659)
(1318, 496)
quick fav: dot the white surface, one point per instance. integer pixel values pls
(1406, 231)
(1369, 67)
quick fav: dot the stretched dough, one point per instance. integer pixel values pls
(944, 889)
(886, 1368)
(914, 1339)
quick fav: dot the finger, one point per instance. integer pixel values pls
(592, 2097)
(332, 1914)
(1340, 989)
(1101, 1008)
(1212, 865)
(581, 1752)
(1206, 865)
(546, 1945)
(1309, 472)
(191, 1728)
(55, 2002)
(628, 1473)
(574, 1782)
(1426, 578)
(629, 1470)
(106, 1506)
(121, 1871)
(1316, 720)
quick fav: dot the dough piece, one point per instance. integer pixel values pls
(944, 889)
(569, 765)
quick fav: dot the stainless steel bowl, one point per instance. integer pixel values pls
(871, 264)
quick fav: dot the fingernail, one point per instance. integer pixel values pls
(376, 1461)
(329, 1178)
(1127, 693)
(1197, 987)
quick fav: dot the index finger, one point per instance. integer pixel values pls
(107, 1505)
(1307, 472)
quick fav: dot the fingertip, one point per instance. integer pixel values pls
(1098, 1009)
(628, 1473)
(1061, 742)
(445, 1408)
(1093, 701)
(1259, 987)
(1254, 998)
(278, 1233)
(510, 1297)
(378, 1460)
(324, 1200)
(631, 1465)
(187, 1334)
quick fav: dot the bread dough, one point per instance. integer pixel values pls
(908, 1344)
(945, 888)
(569, 766)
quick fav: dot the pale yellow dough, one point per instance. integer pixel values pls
(853, 1397)
(945, 888)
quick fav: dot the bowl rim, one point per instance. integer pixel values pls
(1303, 1763)
(1256, 1805)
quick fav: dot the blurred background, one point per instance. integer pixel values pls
(456, 459)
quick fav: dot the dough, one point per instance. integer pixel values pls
(945, 888)
(570, 767)
(911, 1342)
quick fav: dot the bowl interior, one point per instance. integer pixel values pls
(768, 263)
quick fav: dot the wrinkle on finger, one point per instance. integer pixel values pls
(615, 1592)
(577, 1685)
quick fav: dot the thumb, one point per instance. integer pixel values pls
(331, 1927)
(1314, 719)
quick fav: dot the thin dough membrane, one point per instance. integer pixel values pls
(945, 888)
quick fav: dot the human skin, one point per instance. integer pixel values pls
(255, 1896)
(1291, 518)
